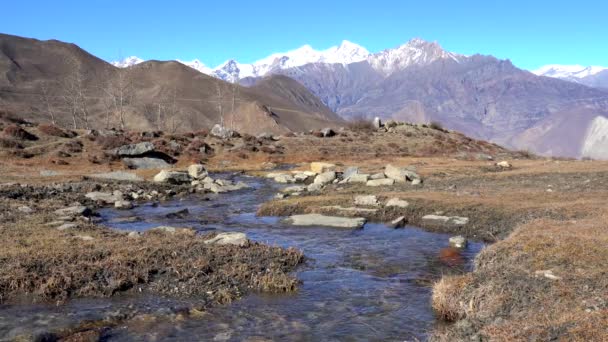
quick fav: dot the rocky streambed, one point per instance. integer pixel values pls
(358, 284)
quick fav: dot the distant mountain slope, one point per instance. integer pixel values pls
(36, 76)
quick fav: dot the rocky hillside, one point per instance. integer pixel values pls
(55, 81)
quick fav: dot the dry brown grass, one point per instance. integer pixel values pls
(48, 264)
(55, 131)
(445, 297)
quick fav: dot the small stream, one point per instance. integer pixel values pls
(357, 285)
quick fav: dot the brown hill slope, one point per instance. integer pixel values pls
(56, 81)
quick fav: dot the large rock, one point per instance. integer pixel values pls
(320, 167)
(314, 187)
(122, 204)
(328, 132)
(352, 170)
(173, 177)
(380, 182)
(366, 200)
(145, 163)
(328, 221)
(400, 174)
(134, 149)
(119, 176)
(237, 239)
(197, 171)
(377, 123)
(104, 197)
(445, 220)
(222, 132)
(358, 178)
(325, 178)
(294, 188)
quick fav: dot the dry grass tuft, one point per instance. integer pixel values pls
(55, 131)
(18, 133)
(446, 297)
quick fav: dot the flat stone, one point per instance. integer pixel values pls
(84, 237)
(104, 197)
(366, 200)
(328, 221)
(446, 220)
(231, 238)
(379, 175)
(172, 177)
(396, 202)
(25, 209)
(301, 177)
(77, 210)
(66, 226)
(174, 230)
(118, 175)
(284, 179)
(295, 188)
(350, 209)
(122, 204)
(380, 182)
(134, 149)
(358, 178)
(320, 167)
(145, 163)
(504, 164)
(398, 222)
(49, 173)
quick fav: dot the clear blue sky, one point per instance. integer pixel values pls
(530, 33)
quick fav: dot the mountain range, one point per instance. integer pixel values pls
(418, 81)
(593, 76)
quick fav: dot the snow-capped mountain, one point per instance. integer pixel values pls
(568, 72)
(127, 62)
(414, 52)
(197, 65)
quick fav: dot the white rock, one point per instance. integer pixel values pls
(25, 209)
(314, 187)
(197, 171)
(320, 167)
(104, 197)
(366, 200)
(284, 179)
(380, 182)
(358, 178)
(458, 241)
(329, 221)
(400, 174)
(504, 164)
(398, 222)
(325, 178)
(396, 202)
(295, 188)
(66, 226)
(379, 175)
(122, 204)
(173, 177)
(75, 210)
(237, 239)
(447, 220)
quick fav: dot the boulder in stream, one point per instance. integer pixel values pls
(327, 221)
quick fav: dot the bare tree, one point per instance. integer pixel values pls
(119, 93)
(235, 79)
(74, 94)
(218, 87)
(45, 97)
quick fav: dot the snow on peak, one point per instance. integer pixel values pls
(197, 65)
(127, 62)
(415, 52)
(570, 72)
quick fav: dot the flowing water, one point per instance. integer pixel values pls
(357, 285)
